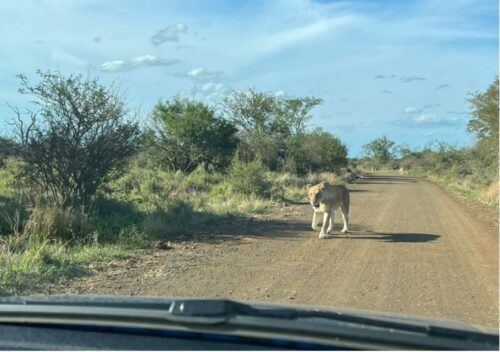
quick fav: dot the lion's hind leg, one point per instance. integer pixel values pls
(345, 219)
(330, 225)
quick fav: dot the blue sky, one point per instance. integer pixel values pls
(399, 68)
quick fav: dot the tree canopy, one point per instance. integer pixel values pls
(189, 134)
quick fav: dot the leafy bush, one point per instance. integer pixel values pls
(316, 151)
(188, 134)
(267, 123)
(249, 178)
(80, 139)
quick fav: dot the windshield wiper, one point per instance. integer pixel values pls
(226, 315)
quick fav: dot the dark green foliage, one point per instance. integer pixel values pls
(484, 123)
(187, 134)
(316, 151)
(380, 150)
(79, 139)
(249, 178)
(267, 124)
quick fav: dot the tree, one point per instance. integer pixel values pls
(380, 150)
(484, 121)
(80, 137)
(253, 112)
(295, 112)
(267, 123)
(316, 151)
(189, 134)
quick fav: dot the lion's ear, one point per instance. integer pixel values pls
(308, 186)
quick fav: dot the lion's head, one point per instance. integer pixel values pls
(315, 193)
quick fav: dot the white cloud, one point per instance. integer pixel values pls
(201, 75)
(151, 60)
(427, 120)
(412, 110)
(195, 72)
(279, 93)
(212, 93)
(436, 121)
(271, 43)
(146, 59)
(170, 34)
(213, 87)
(113, 66)
(137, 62)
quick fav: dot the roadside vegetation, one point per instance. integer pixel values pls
(82, 181)
(470, 172)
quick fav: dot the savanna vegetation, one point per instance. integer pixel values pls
(471, 172)
(84, 180)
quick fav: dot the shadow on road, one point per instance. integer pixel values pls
(389, 237)
(384, 179)
(237, 228)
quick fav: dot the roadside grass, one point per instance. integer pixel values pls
(466, 188)
(28, 270)
(41, 244)
(479, 185)
(466, 191)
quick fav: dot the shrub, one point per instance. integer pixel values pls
(188, 134)
(249, 178)
(80, 139)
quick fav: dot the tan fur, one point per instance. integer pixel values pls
(326, 198)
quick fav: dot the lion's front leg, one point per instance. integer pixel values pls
(326, 222)
(315, 219)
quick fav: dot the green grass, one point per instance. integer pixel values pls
(30, 270)
(42, 244)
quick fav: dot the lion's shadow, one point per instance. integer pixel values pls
(391, 237)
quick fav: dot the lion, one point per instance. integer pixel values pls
(326, 198)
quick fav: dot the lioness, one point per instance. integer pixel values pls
(326, 198)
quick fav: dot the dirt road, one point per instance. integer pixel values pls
(413, 248)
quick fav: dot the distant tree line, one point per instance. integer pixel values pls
(477, 165)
